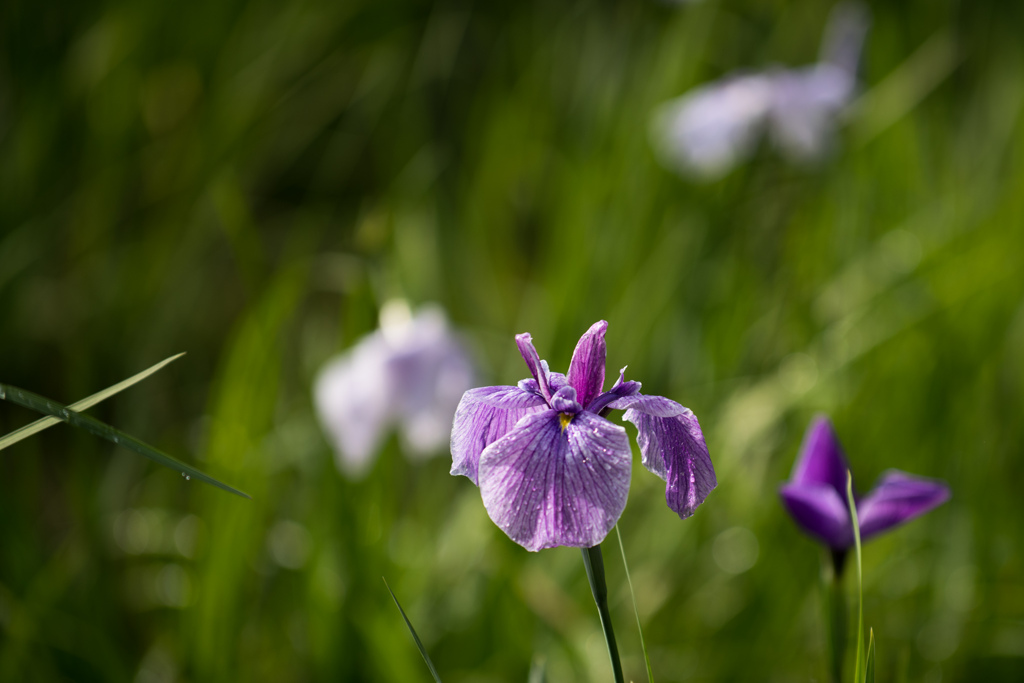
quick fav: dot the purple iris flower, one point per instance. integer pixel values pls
(552, 470)
(815, 495)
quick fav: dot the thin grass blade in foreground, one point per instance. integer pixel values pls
(632, 596)
(42, 423)
(869, 668)
(594, 564)
(419, 643)
(43, 405)
(538, 670)
(858, 672)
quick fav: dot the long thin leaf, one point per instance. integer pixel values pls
(419, 643)
(632, 595)
(858, 671)
(44, 422)
(43, 405)
(869, 668)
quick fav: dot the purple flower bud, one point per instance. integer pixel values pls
(815, 495)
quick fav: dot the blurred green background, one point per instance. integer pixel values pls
(248, 181)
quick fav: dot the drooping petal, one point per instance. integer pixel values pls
(483, 416)
(546, 486)
(658, 406)
(538, 368)
(672, 447)
(819, 511)
(897, 498)
(821, 459)
(586, 370)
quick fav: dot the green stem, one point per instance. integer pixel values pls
(835, 612)
(594, 564)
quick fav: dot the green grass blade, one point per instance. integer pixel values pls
(44, 422)
(43, 405)
(538, 670)
(858, 672)
(869, 668)
(636, 611)
(419, 643)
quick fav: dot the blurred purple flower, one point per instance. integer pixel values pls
(815, 495)
(707, 131)
(552, 470)
(410, 373)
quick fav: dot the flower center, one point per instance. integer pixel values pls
(564, 419)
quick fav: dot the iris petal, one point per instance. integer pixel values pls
(619, 390)
(819, 510)
(658, 406)
(538, 368)
(821, 459)
(564, 401)
(586, 370)
(673, 448)
(897, 498)
(485, 415)
(546, 487)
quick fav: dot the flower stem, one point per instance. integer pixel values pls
(835, 612)
(594, 564)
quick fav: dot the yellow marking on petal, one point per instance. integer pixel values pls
(564, 419)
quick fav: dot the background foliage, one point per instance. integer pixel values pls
(249, 180)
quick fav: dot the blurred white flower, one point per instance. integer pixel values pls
(708, 130)
(410, 373)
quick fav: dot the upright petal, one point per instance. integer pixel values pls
(586, 370)
(483, 416)
(546, 487)
(538, 368)
(898, 497)
(844, 35)
(672, 447)
(821, 459)
(819, 511)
